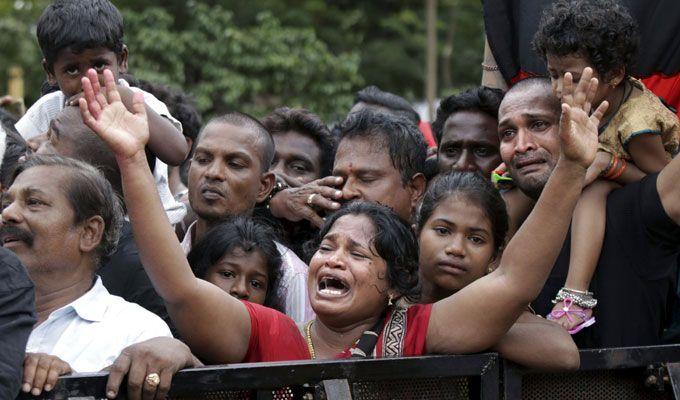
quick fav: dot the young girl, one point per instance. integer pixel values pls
(240, 257)
(462, 223)
(638, 135)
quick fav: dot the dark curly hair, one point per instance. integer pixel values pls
(483, 99)
(474, 187)
(601, 30)
(248, 235)
(303, 121)
(394, 241)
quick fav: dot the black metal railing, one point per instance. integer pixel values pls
(624, 373)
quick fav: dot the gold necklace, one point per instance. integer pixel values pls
(308, 334)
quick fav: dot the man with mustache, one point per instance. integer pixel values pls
(229, 174)
(638, 263)
(121, 272)
(60, 217)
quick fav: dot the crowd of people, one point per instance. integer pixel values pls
(140, 240)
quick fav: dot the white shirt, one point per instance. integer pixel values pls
(90, 333)
(292, 285)
(37, 119)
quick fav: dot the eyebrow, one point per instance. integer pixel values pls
(352, 242)
(479, 140)
(303, 158)
(529, 116)
(474, 229)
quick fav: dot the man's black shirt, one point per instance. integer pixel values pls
(635, 273)
(123, 275)
(17, 317)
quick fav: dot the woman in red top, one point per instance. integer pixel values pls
(351, 278)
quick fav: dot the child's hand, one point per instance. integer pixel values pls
(125, 132)
(602, 160)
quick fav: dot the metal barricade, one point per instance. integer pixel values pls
(432, 377)
(604, 374)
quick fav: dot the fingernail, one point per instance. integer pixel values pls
(336, 205)
(338, 193)
(35, 392)
(26, 387)
(48, 387)
(111, 394)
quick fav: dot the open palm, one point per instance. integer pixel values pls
(579, 128)
(125, 132)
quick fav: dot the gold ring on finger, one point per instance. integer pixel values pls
(310, 199)
(153, 379)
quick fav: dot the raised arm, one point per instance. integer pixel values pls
(477, 316)
(215, 325)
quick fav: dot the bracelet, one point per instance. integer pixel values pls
(611, 168)
(581, 300)
(487, 67)
(620, 171)
(584, 292)
(278, 186)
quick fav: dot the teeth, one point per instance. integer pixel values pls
(331, 292)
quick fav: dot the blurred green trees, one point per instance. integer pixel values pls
(257, 55)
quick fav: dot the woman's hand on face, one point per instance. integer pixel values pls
(162, 355)
(41, 372)
(578, 127)
(125, 132)
(293, 204)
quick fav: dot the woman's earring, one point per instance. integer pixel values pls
(389, 301)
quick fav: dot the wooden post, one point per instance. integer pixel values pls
(15, 86)
(431, 62)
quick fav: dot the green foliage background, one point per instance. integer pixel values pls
(256, 55)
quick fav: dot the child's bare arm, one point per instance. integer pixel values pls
(648, 153)
(165, 141)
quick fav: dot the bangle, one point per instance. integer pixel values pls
(611, 168)
(580, 299)
(620, 171)
(584, 292)
(278, 186)
(487, 67)
(606, 171)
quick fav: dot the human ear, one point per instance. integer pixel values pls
(92, 231)
(417, 186)
(51, 79)
(614, 78)
(123, 60)
(267, 181)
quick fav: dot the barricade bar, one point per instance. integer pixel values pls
(480, 374)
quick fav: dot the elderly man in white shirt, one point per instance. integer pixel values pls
(60, 216)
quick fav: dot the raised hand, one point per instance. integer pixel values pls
(125, 132)
(578, 127)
